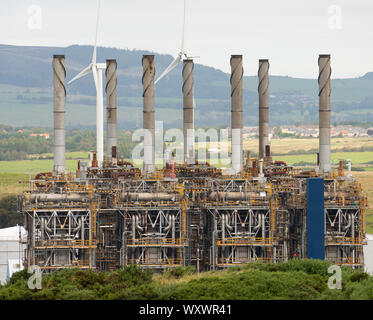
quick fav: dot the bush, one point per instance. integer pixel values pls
(292, 280)
(179, 272)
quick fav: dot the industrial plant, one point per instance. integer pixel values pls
(110, 214)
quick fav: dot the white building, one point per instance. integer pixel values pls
(368, 255)
(11, 251)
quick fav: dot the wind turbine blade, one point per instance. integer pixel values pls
(94, 57)
(94, 72)
(81, 74)
(183, 36)
(170, 67)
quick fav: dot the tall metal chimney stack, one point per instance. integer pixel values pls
(236, 105)
(111, 105)
(149, 117)
(263, 107)
(59, 112)
(188, 103)
(325, 72)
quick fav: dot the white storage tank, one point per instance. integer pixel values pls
(12, 251)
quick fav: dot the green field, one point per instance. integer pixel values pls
(355, 157)
(369, 223)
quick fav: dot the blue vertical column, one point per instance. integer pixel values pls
(315, 218)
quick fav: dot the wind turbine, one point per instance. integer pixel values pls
(97, 72)
(182, 54)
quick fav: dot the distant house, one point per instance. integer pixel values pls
(45, 135)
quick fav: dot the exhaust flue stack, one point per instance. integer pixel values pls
(263, 107)
(111, 107)
(188, 103)
(236, 105)
(324, 112)
(149, 117)
(59, 112)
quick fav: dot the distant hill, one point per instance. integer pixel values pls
(26, 91)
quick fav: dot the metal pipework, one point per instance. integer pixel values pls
(111, 105)
(188, 106)
(236, 109)
(149, 110)
(147, 196)
(263, 107)
(223, 196)
(51, 197)
(59, 112)
(324, 112)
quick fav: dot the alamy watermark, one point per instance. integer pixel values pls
(335, 20)
(35, 17)
(205, 145)
(34, 282)
(335, 281)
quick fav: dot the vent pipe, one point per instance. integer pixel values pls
(263, 107)
(324, 112)
(149, 110)
(111, 105)
(59, 112)
(236, 107)
(188, 105)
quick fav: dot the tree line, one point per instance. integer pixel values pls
(18, 144)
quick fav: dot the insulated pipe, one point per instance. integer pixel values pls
(259, 222)
(79, 226)
(173, 227)
(236, 109)
(229, 227)
(111, 105)
(149, 110)
(143, 196)
(138, 227)
(223, 196)
(133, 228)
(263, 107)
(324, 112)
(169, 221)
(59, 112)
(50, 197)
(188, 105)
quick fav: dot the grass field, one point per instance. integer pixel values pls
(69, 156)
(355, 157)
(283, 146)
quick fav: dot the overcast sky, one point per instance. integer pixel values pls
(291, 33)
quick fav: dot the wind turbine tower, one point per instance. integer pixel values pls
(97, 72)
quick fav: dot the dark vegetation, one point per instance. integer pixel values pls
(17, 144)
(8, 212)
(293, 280)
